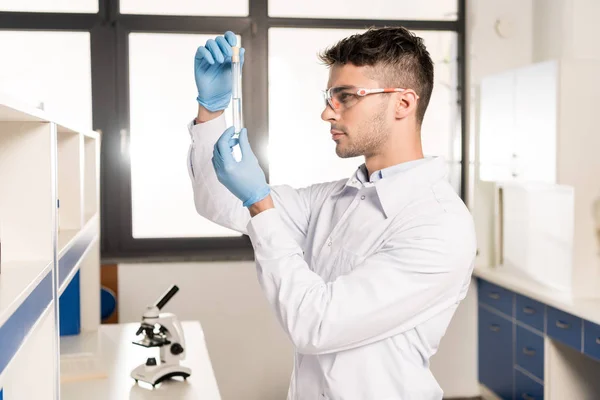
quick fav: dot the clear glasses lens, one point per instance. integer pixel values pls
(340, 98)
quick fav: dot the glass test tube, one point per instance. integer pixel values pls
(236, 71)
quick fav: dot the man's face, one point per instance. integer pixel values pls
(361, 125)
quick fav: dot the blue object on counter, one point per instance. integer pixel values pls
(70, 308)
(108, 303)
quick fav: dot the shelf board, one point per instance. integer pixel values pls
(65, 240)
(17, 281)
(88, 216)
(62, 128)
(73, 244)
(14, 110)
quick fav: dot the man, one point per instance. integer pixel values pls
(364, 274)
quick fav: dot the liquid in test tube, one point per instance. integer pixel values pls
(236, 70)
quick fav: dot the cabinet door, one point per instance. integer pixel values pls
(496, 126)
(535, 121)
(495, 353)
(530, 352)
(591, 343)
(526, 388)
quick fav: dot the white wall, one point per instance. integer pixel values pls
(566, 29)
(499, 38)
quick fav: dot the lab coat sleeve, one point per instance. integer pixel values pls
(216, 203)
(420, 272)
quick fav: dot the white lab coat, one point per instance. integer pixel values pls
(364, 277)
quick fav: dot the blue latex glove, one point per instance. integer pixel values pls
(212, 71)
(244, 178)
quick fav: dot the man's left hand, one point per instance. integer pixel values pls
(245, 179)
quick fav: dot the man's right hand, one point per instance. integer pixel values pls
(212, 71)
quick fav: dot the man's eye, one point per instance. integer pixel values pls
(344, 97)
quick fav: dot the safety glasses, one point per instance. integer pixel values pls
(343, 97)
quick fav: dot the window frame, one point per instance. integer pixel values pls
(109, 32)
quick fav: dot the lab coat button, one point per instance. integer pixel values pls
(362, 197)
(329, 243)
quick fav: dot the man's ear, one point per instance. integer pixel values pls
(406, 103)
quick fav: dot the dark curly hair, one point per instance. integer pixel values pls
(398, 57)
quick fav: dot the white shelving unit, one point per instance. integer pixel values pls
(49, 230)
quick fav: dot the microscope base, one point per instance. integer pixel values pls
(156, 374)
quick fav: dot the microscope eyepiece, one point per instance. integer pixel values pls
(166, 297)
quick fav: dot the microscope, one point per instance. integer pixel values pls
(161, 330)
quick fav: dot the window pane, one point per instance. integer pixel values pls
(67, 6)
(163, 100)
(186, 7)
(360, 9)
(56, 76)
(301, 152)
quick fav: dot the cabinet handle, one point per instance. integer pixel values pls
(562, 325)
(494, 328)
(529, 310)
(525, 396)
(494, 296)
(598, 340)
(528, 352)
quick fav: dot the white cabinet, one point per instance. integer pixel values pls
(497, 127)
(518, 124)
(539, 123)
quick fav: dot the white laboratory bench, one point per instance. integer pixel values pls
(116, 356)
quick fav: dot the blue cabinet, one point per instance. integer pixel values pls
(526, 388)
(530, 352)
(591, 345)
(497, 297)
(495, 353)
(530, 312)
(565, 328)
(512, 328)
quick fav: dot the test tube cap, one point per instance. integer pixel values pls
(236, 54)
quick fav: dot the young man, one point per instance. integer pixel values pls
(364, 274)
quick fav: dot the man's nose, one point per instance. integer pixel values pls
(328, 114)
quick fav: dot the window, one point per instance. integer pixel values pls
(124, 67)
(296, 131)
(360, 9)
(185, 7)
(55, 77)
(162, 97)
(62, 6)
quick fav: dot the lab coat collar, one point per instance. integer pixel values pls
(397, 190)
